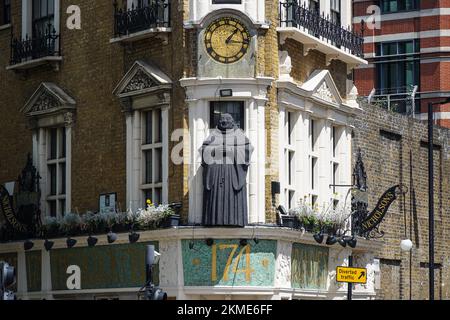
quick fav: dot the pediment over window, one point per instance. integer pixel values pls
(320, 85)
(142, 78)
(48, 99)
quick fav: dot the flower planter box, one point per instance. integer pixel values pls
(171, 221)
(288, 221)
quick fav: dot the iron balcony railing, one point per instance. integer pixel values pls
(27, 49)
(293, 14)
(136, 19)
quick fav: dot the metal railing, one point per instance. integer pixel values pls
(293, 14)
(41, 46)
(136, 19)
(401, 99)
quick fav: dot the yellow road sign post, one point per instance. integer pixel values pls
(351, 275)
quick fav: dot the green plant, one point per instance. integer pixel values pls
(50, 227)
(71, 224)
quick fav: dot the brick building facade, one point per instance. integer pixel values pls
(407, 50)
(101, 111)
(396, 152)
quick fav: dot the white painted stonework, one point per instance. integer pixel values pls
(200, 92)
(285, 66)
(254, 9)
(171, 267)
(318, 99)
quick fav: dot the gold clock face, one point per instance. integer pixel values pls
(227, 40)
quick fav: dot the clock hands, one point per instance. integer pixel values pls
(231, 36)
(243, 42)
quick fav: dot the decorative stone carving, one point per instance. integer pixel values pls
(285, 65)
(140, 81)
(45, 102)
(69, 119)
(324, 93)
(353, 93)
(126, 104)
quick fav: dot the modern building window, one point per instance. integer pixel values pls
(43, 16)
(392, 6)
(5, 16)
(56, 171)
(235, 108)
(398, 66)
(152, 155)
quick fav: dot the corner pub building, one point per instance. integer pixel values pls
(121, 107)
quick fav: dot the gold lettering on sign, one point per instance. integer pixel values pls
(9, 213)
(234, 247)
(381, 209)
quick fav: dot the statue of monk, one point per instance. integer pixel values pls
(226, 157)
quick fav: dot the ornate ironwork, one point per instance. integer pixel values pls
(43, 45)
(359, 173)
(293, 14)
(360, 204)
(21, 209)
(135, 19)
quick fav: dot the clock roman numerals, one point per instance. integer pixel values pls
(227, 40)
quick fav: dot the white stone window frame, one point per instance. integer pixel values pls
(290, 146)
(200, 92)
(27, 19)
(317, 99)
(153, 146)
(59, 196)
(336, 132)
(144, 87)
(315, 135)
(51, 107)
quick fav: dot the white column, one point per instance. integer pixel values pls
(198, 126)
(22, 287)
(129, 158)
(46, 275)
(259, 165)
(137, 162)
(180, 273)
(323, 127)
(68, 169)
(165, 153)
(35, 156)
(302, 161)
(282, 157)
(26, 18)
(345, 160)
(57, 21)
(283, 265)
(346, 13)
(42, 160)
(252, 178)
(325, 6)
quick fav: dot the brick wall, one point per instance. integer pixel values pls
(90, 70)
(303, 66)
(394, 151)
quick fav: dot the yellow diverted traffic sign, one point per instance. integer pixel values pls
(351, 275)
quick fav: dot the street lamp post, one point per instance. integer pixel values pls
(431, 195)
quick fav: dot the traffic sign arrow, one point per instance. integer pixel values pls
(363, 274)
